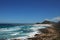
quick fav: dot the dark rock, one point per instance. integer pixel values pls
(15, 39)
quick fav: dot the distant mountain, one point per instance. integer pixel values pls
(47, 22)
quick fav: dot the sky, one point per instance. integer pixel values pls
(28, 11)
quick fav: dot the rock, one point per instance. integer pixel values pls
(15, 39)
(49, 33)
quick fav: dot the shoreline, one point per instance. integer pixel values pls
(48, 33)
(33, 34)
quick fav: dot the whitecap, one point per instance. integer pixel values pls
(36, 28)
(14, 34)
(10, 29)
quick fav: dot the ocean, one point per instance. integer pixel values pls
(18, 31)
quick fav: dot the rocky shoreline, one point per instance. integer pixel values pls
(49, 33)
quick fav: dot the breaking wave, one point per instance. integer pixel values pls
(19, 31)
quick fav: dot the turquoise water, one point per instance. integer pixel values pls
(18, 31)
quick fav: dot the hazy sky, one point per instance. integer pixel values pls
(28, 11)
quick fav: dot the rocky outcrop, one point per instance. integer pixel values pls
(14, 39)
(49, 33)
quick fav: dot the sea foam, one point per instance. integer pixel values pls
(21, 32)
